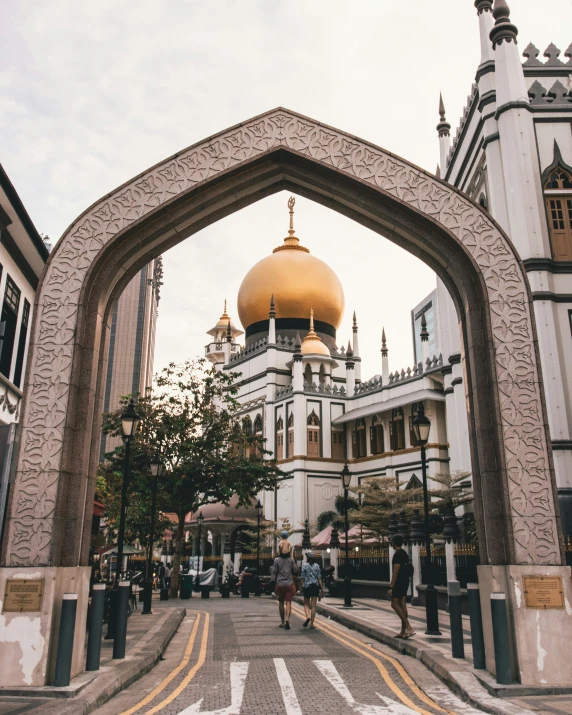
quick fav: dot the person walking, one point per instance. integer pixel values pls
(312, 587)
(282, 574)
(399, 586)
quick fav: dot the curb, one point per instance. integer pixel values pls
(118, 676)
(464, 683)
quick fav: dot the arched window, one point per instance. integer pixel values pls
(313, 435)
(412, 433)
(377, 436)
(308, 375)
(247, 432)
(280, 438)
(412, 485)
(258, 424)
(359, 440)
(397, 429)
(558, 198)
(290, 445)
(258, 433)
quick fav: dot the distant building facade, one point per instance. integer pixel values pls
(132, 341)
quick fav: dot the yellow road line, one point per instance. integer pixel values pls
(173, 674)
(374, 656)
(191, 674)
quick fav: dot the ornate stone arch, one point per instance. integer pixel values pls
(50, 504)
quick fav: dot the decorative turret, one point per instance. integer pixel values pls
(444, 131)
(384, 359)
(297, 367)
(504, 30)
(417, 534)
(334, 539)
(403, 526)
(356, 349)
(306, 542)
(312, 343)
(486, 23)
(424, 335)
(215, 351)
(272, 322)
(350, 372)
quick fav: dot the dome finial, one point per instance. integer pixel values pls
(291, 203)
(503, 30)
(384, 350)
(312, 343)
(424, 332)
(443, 128)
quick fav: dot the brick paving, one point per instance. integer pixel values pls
(325, 675)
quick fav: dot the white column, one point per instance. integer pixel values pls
(334, 560)
(450, 560)
(416, 563)
(486, 22)
(236, 565)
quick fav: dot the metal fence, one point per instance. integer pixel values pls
(466, 561)
(370, 565)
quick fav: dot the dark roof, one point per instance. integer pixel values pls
(22, 214)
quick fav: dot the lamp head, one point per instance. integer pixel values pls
(421, 425)
(259, 507)
(200, 518)
(157, 468)
(130, 421)
(346, 477)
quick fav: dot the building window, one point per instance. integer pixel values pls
(358, 440)
(291, 435)
(377, 436)
(558, 198)
(338, 442)
(8, 321)
(280, 438)
(22, 343)
(247, 432)
(415, 484)
(397, 429)
(313, 435)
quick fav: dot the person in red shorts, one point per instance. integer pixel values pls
(282, 573)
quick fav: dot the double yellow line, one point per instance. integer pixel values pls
(200, 617)
(375, 656)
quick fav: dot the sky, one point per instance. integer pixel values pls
(91, 94)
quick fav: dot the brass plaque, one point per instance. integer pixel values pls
(23, 595)
(543, 592)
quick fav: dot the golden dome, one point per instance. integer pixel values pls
(297, 280)
(312, 345)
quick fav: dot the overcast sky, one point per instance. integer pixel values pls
(94, 93)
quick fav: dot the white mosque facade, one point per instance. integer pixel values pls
(303, 389)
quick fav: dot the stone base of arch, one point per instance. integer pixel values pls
(29, 640)
(539, 637)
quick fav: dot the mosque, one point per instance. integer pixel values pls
(305, 393)
(302, 388)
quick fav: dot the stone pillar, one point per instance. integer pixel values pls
(451, 534)
(226, 560)
(237, 554)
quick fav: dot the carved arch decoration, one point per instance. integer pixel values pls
(116, 236)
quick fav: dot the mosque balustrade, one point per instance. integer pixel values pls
(412, 373)
(218, 347)
(243, 353)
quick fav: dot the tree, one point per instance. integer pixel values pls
(191, 423)
(450, 494)
(379, 498)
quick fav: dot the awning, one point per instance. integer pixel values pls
(377, 408)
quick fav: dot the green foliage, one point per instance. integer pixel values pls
(327, 518)
(190, 422)
(449, 494)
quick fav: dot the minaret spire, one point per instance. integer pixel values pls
(444, 131)
(228, 333)
(503, 30)
(272, 312)
(424, 331)
(384, 359)
(384, 351)
(291, 241)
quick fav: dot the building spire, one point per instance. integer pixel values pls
(503, 29)
(444, 132)
(272, 312)
(484, 6)
(228, 333)
(355, 323)
(384, 350)
(444, 128)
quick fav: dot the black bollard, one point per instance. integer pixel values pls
(65, 641)
(121, 621)
(456, 619)
(503, 666)
(205, 592)
(95, 626)
(112, 613)
(147, 597)
(432, 610)
(476, 616)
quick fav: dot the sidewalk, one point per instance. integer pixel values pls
(376, 619)
(147, 638)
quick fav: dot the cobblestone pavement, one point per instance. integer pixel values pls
(231, 658)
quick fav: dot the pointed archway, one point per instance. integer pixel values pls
(49, 519)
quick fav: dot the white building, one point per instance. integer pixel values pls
(306, 395)
(23, 255)
(512, 154)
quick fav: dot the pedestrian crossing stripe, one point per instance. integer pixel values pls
(374, 656)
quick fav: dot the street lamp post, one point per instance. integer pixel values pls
(129, 423)
(422, 427)
(200, 519)
(346, 480)
(259, 509)
(156, 473)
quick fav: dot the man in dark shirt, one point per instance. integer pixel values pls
(399, 586)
